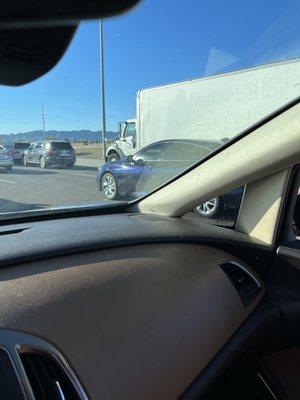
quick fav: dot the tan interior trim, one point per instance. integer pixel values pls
(261, 206)
(272, 147)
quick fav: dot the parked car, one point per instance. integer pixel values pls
(6, 159)
(50, 153)
(18, 149)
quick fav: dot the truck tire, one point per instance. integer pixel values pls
(113, 157)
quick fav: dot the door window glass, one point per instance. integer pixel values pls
(221, 211)
(156, 152)
(130, 130)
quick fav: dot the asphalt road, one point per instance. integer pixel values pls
(34, 188)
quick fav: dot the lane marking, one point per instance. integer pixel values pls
(77, 173)
(7, 181)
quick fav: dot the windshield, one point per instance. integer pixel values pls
(185, 78)
(61, 145)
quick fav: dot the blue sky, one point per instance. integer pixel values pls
(159, 42)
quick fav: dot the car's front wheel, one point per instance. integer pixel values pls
(8, 169)
(109, 186)
(210, 208)
(43, 162)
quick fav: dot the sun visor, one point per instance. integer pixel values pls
(35, 34)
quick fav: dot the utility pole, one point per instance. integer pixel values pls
(102, 88)
(43, 121)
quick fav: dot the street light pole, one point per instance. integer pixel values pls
(43, 121)
(102, 88)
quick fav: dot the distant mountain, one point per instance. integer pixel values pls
(83, 134)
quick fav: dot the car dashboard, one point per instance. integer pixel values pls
(120, 307)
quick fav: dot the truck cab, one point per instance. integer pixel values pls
(126, 143)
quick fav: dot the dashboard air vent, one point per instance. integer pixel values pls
(47, 378)
(246, 285)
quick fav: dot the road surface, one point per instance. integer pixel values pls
(34, 188)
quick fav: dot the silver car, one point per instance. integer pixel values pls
(6, 159)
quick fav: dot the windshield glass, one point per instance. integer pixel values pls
(184, 78)
(61, 145)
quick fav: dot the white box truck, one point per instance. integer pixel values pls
(210, 108)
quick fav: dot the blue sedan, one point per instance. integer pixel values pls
(156, 164)
(150, 167)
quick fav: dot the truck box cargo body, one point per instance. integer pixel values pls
(211, 108)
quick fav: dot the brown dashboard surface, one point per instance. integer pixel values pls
(135, 322)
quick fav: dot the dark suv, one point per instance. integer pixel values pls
(50, 152)
(18, 149)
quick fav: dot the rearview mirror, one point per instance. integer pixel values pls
(35, 34)
(16, 13)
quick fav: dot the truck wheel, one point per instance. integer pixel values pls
(113, 157)
(210, 208)
(109, 186)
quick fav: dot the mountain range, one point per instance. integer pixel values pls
(84, 134)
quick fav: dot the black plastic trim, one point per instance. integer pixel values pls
(40, 240)
(17, 13)
(60, 213)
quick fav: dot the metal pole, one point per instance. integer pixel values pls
(43, 120)
(102, 88)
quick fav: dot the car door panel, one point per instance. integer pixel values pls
(283, 282)
(37, 153)
(29, 153)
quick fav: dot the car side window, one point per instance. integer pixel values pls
(130, 130)
(156, 152)
(221, 211)
(191, 152)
